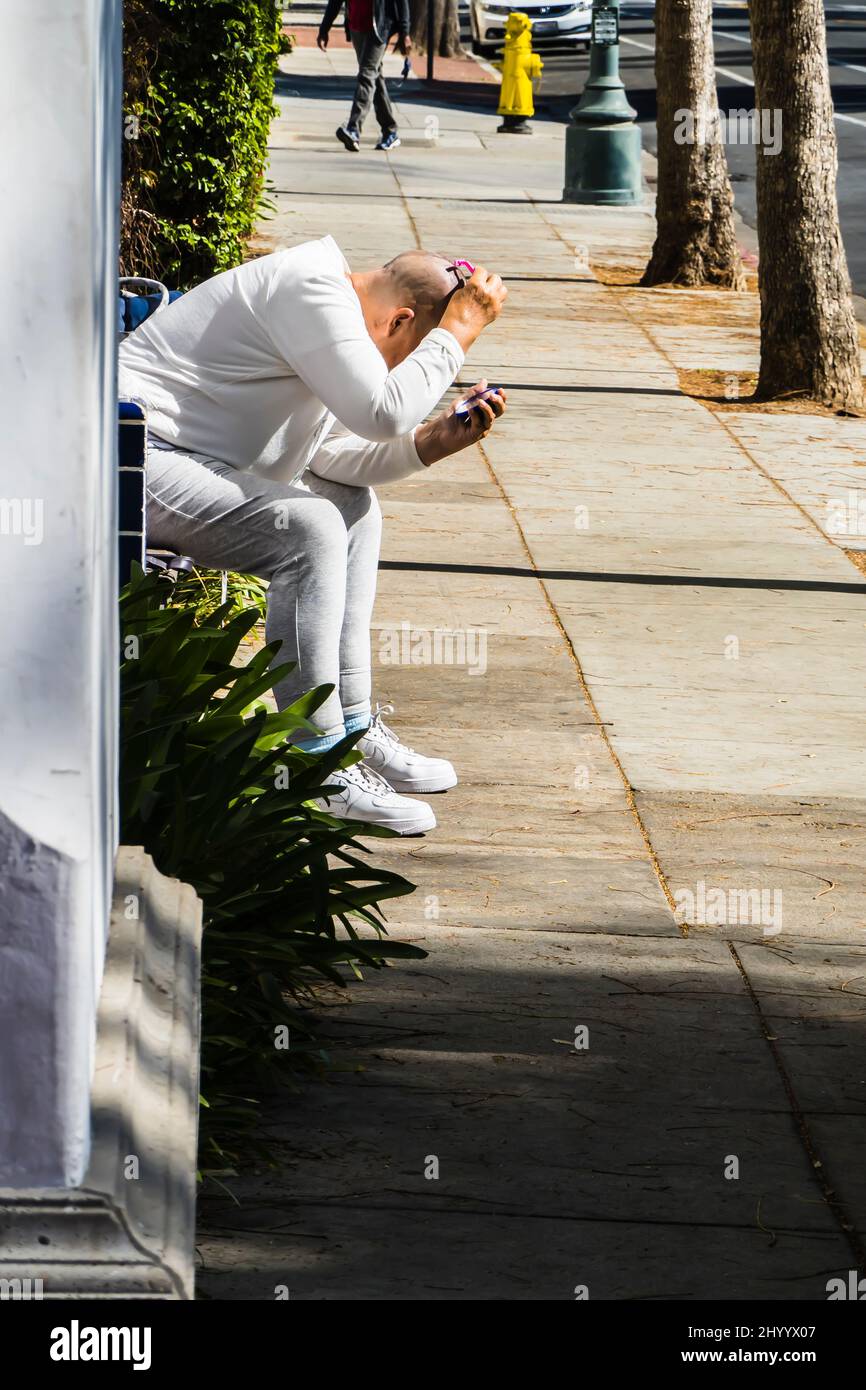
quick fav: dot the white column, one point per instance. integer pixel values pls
(60, 114)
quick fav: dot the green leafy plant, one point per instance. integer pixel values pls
(198, 102)
(202, 590)
(213, 791)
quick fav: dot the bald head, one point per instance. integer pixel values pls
(403, 300)
(422, 280)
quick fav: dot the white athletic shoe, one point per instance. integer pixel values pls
(367, 797)
(403, 768)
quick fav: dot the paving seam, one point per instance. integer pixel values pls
(817, 1167)
(630, 796)
(718, 416)
(406, 204)
(816, 1163)
(629, 790)
(355, 1203)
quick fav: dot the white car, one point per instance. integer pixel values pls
(567, 22)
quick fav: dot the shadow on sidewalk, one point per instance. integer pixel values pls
(481, 97)
(556, 1163)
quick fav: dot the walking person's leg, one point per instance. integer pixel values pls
(382, 103)
(370, 53)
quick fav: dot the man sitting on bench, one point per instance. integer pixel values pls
(277, 395)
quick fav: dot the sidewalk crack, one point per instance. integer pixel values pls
(600, 724)
(816, 1163)
(718, 416)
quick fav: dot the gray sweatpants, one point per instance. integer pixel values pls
(317, 542)
(371, 84)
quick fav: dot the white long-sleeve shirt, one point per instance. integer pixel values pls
(270, 367)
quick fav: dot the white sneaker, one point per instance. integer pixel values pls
(365, 796)
(403, 768)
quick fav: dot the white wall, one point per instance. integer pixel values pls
(60, 116)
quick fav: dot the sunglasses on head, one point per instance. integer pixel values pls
(462, 269)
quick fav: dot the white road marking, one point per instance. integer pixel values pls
(738, 77)
(743, 38)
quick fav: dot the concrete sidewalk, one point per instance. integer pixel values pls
(653, 688)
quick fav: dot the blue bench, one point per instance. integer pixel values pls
(133, 309)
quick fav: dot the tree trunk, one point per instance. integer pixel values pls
(695, 239)
(809, 341)
(446, 27)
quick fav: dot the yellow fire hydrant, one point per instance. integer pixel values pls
(520, 66)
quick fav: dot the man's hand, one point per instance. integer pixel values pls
(403, 45)
(474, 306)
(322, 39)
(449, 433)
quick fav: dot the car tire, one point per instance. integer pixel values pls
(484, 50)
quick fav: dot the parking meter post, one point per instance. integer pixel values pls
(603, 143)
(431, 14)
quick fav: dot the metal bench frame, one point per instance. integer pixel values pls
(132, 460)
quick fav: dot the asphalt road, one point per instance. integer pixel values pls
(565, 73)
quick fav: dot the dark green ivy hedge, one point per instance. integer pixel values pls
(198, 101)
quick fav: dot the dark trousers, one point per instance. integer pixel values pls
(371, 84)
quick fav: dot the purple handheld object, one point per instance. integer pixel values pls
(466, 407)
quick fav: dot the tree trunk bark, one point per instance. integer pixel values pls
(695, 239)
(446, 27)
(809, 339)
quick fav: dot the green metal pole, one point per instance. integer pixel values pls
(603, 144)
